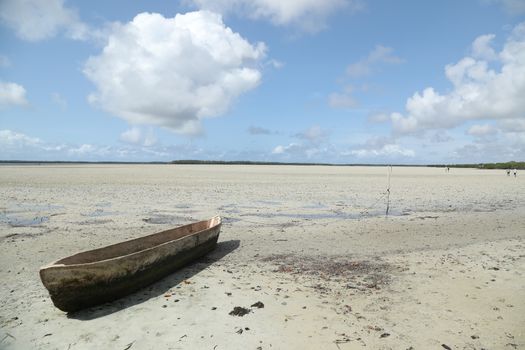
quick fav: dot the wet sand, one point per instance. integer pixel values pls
(446, 268)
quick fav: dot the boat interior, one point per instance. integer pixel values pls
(138, 244)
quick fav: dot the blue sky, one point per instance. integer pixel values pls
(338, 81)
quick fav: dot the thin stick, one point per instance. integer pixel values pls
(388, 190)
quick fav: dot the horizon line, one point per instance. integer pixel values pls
(247, 162)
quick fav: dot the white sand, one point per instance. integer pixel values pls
(311, 243)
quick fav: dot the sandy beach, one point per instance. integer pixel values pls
(307, 250)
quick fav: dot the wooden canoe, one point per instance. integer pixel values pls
(101, 275)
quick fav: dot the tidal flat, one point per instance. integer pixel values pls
(307, 252)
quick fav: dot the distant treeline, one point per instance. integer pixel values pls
(238, 162)
(247, 162)
(506, 165)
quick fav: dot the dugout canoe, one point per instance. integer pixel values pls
(105, 274)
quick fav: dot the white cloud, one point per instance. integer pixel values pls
(16, 143)
(313, 146)
(308, 15)
(18, 146)
(300, 152)
(482, 49)
(512, 125)
(379, 55)
(503, 141)
(441, 137)
(173, 72)
(82, 149)
(135, 136)
(481, 130)
(12, 94)
(388, 150)
(479, 91)
(9, 138)
(280, 149)
(149, 139)
(35, 20)
(499, 147)
(88, 151)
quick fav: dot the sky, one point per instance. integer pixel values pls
(334, 81)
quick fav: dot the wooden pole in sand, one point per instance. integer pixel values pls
(388, 190)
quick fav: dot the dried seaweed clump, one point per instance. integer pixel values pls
(358, 274)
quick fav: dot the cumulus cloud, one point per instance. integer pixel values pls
(280, 149)
(512, 125)
(481, 130)
(312, 145)
(509, 147)
(9, 138)
(133, 135)
(388, 150)
(83, 149)
(35, 20)
(379, 55)
(136, 136)
(149, 139)
(479, 91)
(501, 141)
(19, 146)
(301, 152)
(482, 48)
(441, 137)
(173, 72)
(12, 94)
(308, 15)
(92, 152)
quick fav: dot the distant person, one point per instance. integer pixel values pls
(448, 169)
(508, 172)
(515, 172)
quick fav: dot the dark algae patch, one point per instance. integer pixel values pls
(356, 274)
(239, 311)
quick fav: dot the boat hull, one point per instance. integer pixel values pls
(73, 287)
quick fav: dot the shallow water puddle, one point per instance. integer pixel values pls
(27, 214)
(15, 220)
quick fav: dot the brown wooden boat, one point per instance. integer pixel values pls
(100, 275)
